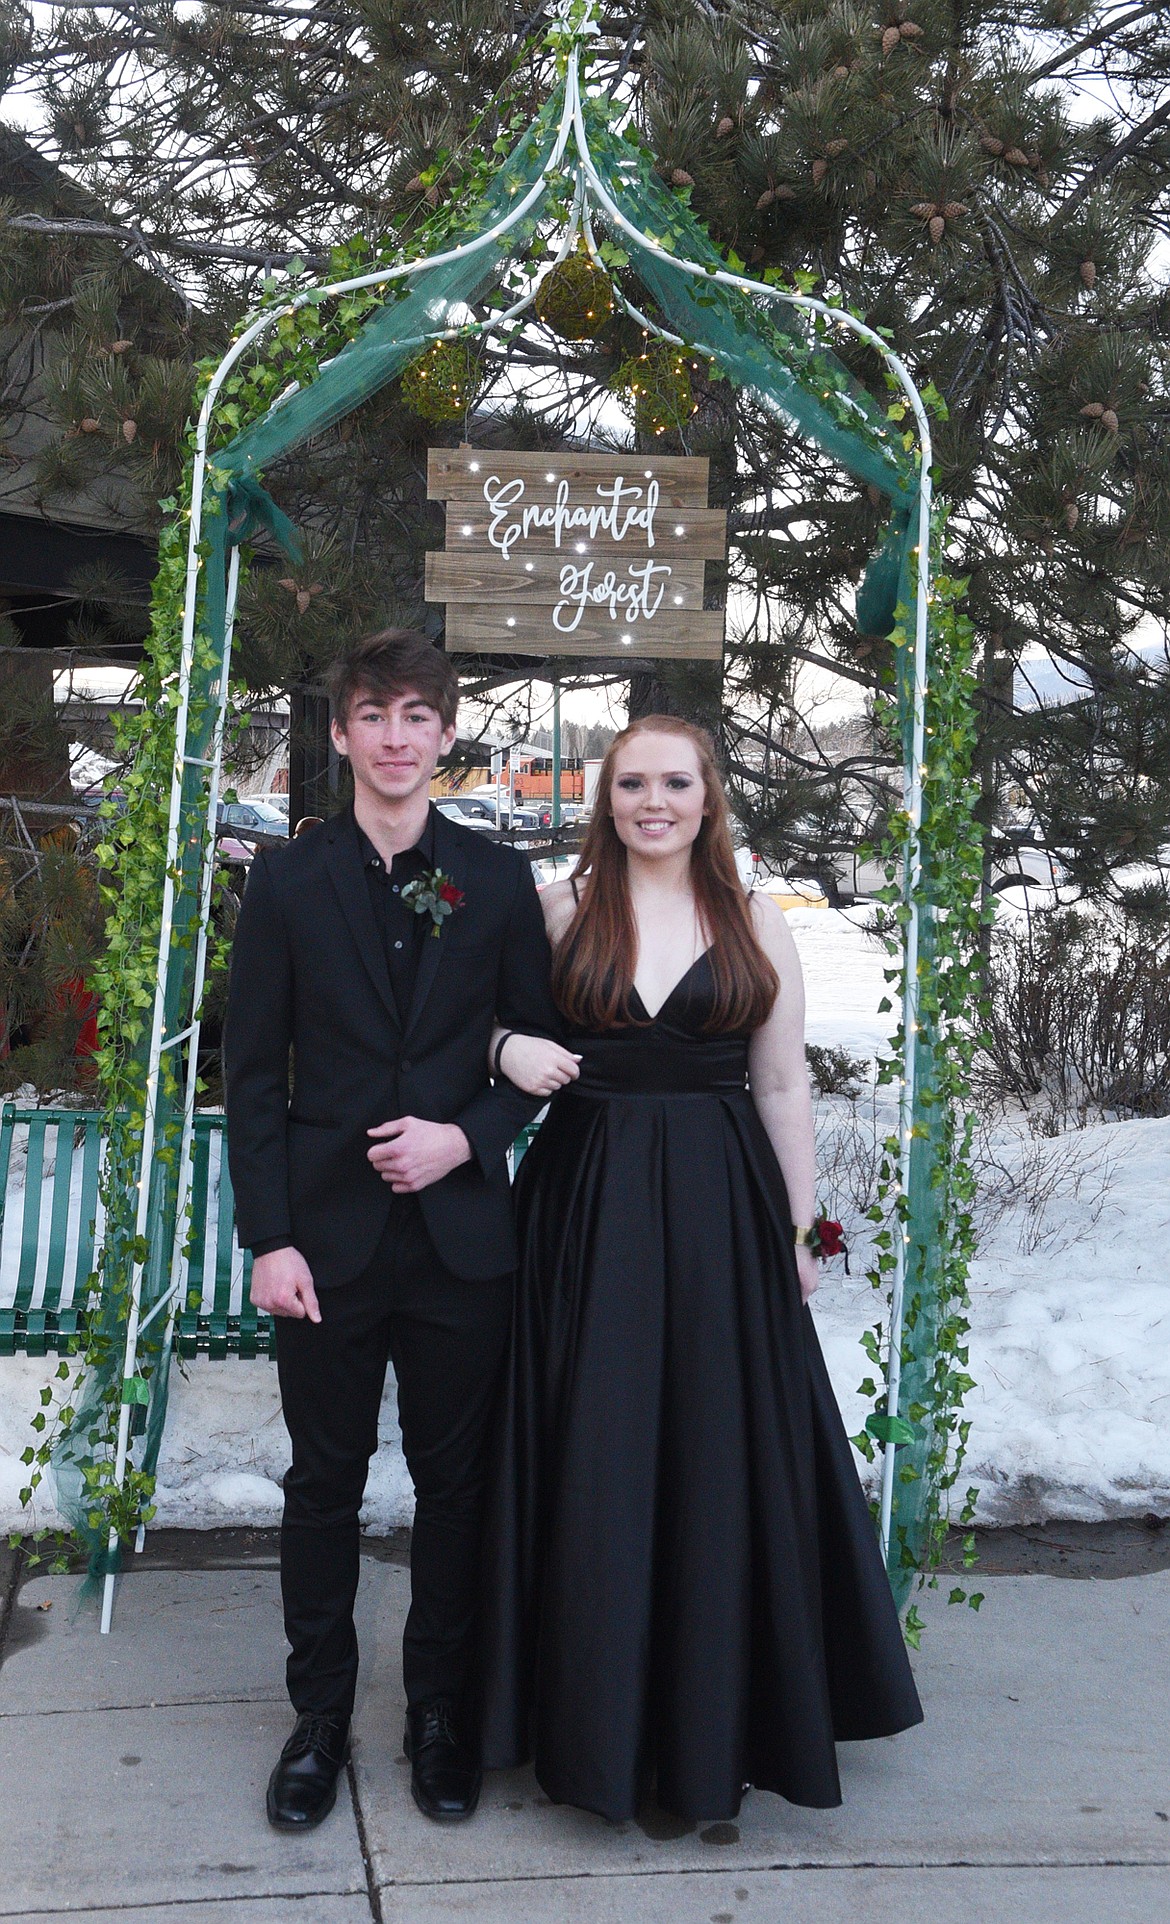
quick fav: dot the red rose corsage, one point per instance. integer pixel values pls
(827, 1238)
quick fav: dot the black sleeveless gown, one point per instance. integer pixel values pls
(684, 1587)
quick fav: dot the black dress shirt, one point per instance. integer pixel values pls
(402, 929)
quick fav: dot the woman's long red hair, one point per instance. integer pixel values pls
(593, 970)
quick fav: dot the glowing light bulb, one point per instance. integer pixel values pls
(627, 639)
(474, 466)
(511, 621)
(528, 567)
(680, 530)
(678, 601)
(550, 477)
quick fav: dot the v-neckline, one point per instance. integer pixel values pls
(685, 976)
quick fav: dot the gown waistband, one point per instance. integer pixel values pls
(624, 1066)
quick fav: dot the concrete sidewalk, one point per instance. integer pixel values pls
(132, 1773)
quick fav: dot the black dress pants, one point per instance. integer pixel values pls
(446, 1338)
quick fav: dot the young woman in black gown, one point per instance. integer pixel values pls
(685, 1591)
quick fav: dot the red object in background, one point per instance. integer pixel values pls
(76, 997)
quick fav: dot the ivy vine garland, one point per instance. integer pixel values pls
(930, 1434)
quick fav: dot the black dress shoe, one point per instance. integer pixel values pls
(303, 1787)
(445, 1776)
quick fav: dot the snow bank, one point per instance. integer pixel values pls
(1070, 1345)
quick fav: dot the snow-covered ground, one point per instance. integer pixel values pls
(1070, 1344)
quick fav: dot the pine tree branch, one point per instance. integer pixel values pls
(1115, 156)
(192, 250)
(1098, 36)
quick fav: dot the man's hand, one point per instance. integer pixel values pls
(282, 1283)
(411, 1154)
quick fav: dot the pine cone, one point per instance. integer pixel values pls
(765, 200)
(1110, 421)
(1072, 515)
(129, 430)
(679, 177)
(726, 126)
(991, 145)
(1089, 273)
(1094, 409)
(910, 30)
(1016, 157)
(924, 209)
(785, 193)
(120, 347)
(890, 39)
(937, 228)
(413, 186)
(954, 209)
(819, 169)
(90, 426)
(871, 181)
(842, 73)
(432, 195)
(835, 147)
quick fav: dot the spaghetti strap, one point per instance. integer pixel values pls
(576, 892)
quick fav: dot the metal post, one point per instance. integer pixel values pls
(556, 769)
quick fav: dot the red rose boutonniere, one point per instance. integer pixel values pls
(435, 894)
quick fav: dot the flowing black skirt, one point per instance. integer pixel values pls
(684, 1587)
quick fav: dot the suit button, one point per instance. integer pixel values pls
(405, 1066)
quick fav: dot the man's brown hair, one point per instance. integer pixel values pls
(395, 661)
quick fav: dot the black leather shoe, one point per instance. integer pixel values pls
(445, 1776)
(303, 1787)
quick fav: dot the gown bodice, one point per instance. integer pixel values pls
(670, 1053)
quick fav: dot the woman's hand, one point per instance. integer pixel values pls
(808, 1269)
(537, 1066)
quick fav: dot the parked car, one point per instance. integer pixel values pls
(455, 814)
(264, 817)
(468, 805)
(273, 797)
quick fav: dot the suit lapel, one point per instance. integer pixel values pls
(449, 856)
(348, 878)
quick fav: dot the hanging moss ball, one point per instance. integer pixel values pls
(444, 381)
(656, 386)
(575, 298)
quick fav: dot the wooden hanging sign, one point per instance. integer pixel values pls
(575, 554)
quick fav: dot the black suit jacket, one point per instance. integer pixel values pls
(309, 975)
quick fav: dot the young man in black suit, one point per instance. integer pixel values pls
(378, 949)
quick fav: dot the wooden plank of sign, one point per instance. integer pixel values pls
(695, 632)
(472, 575)
(698, 532)
(682, 478)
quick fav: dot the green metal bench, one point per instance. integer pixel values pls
(50, 1224)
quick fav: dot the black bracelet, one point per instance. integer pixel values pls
(499, 1050)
